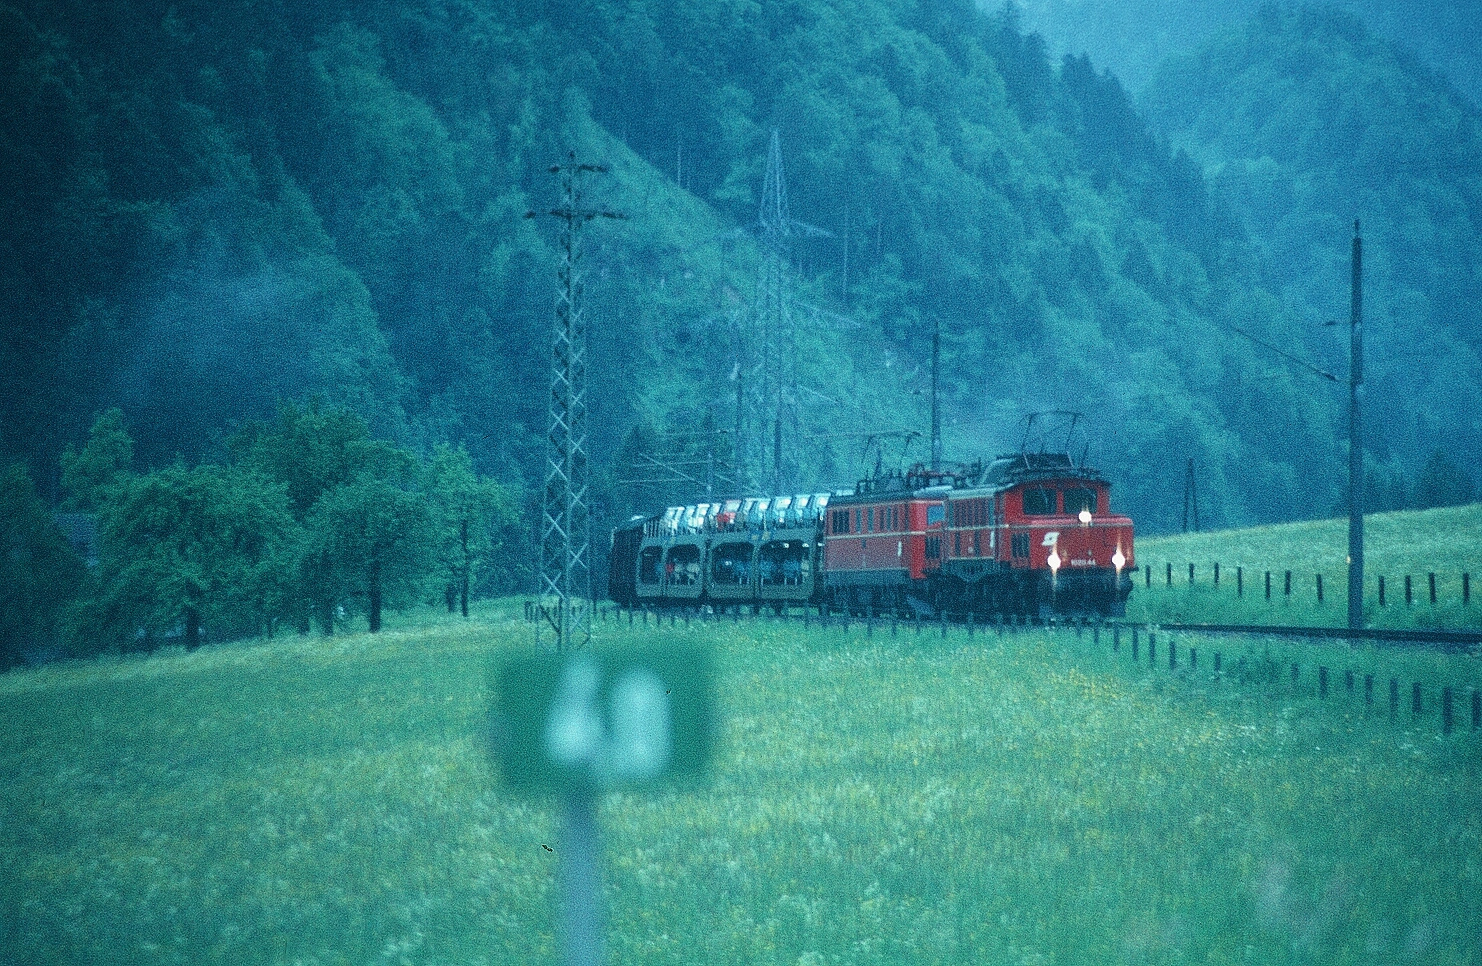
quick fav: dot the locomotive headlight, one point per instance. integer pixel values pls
(1054, 561)
(1118, 560)
(1084, 517)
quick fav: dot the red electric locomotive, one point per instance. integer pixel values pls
(883, 543)
(1033, 534)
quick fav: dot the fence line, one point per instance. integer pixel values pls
(1434, 583)
(1440, 701)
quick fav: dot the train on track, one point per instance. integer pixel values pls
(1029, 533)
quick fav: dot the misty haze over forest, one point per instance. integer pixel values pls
(1130, 39)
(230, 221)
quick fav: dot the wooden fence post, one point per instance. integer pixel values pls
(1170, 575)
(1394, 697)
(1319, 588)
(1288, 585)
(1381, 591)
(1152, 649)
(1476, 709)
(1117, 638)
(1415, 698)
(1432, 578)
(1216, 573)
(1191, 575)
(1173, 655)
(1466, 589)
(1408, 600)
(1239, 581)
(1268, 585)
(1294, 674)
(1148, 575)
(1134, 645)
(1217, 662)
(1348, 680)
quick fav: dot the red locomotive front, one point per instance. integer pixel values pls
(1033, 533)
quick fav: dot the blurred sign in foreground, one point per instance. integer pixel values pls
(585, 723)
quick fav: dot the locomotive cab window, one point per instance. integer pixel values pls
(1077, 500)
(1039, 502)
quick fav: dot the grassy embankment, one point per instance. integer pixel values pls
(1026, 799)
(1446, 542)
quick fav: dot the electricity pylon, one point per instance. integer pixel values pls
(565, 543)
(775, 415)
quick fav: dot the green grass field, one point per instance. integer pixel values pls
(1446, 542)
(1026, 799)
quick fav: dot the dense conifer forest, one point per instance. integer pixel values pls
(222, 220)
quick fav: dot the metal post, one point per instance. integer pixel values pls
(1356, 440)
(936, 415)
(579, 861)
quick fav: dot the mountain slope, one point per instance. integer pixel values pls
(252, 201)
(1306, 122)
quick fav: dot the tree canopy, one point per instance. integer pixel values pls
(220, 209)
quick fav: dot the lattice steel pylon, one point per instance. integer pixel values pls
(565, 543)
(774, 315)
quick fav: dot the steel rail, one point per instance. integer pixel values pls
(1453, 641)
(1446, 640)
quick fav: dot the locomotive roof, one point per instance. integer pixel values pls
(1010, 470)
(895, 484)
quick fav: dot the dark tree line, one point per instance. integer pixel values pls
(310, 522)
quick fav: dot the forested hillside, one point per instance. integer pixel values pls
(1132, 37)
(1305, 122)
(216, 208)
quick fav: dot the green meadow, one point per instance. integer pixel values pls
(1445, 542)
(1030, 798)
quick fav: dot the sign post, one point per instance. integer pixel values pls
(583, 724)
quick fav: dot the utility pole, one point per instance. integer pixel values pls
(936, 393)
(1356, 438)
(1191, 497)
(565, 543)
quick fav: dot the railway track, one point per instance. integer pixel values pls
(1450, 641)
(1444, 640)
